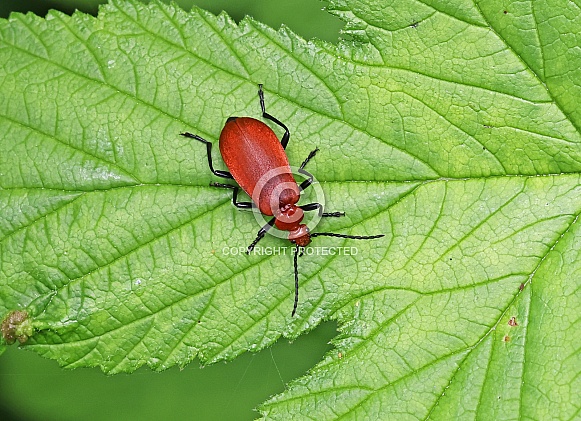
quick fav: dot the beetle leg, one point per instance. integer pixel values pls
(334, 214)
(306, 183)
(261, 233)
(236, 189)
(286, 136)
(304, 172)
(311, 155)
(219, 173)
(319, 207)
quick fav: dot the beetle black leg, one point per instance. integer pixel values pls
(306, 183)
(261, 233)
(334, 214)
(219, 173)
(286, 136)
(236, 189)
(302, 170)
(311, 155)
(319, 207)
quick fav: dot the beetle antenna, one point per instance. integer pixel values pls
(354, 237)
(296, 257)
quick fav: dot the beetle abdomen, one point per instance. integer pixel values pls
(258, 163)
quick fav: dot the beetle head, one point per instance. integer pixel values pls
(300, 236)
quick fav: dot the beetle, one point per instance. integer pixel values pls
(257, 161)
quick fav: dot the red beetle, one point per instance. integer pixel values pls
(258, 163)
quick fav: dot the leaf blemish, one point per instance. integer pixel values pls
(16, 326)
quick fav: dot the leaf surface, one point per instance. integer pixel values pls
(452, 128)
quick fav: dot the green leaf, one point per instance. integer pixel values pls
(452, 128)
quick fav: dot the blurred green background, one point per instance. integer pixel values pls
(33, 388)
(305, 17)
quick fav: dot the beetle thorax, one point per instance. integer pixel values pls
(288, 217)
